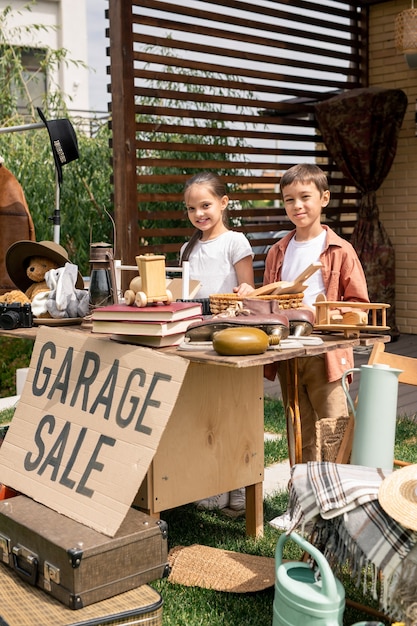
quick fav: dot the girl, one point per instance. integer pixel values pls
(221, 260)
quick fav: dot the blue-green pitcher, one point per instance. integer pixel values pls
(375, 415)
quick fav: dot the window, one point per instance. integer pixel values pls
(30, 86)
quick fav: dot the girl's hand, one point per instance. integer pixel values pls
(244, 274)
(243, 289)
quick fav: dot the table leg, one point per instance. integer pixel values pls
(254, 510)
(292, 413)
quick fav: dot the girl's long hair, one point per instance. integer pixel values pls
(219, 189)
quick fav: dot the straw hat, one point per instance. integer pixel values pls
(19, 253)
(63, 141)
(398, 496)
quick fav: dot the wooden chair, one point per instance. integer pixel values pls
(408, 365)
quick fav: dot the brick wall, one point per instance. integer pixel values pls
(397, 198)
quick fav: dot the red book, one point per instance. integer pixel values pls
(151, 313)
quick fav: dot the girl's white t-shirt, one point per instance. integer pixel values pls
(212, 262)
(298, 256)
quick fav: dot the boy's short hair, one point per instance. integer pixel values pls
(305, 173)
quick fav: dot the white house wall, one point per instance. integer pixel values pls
(66, 24)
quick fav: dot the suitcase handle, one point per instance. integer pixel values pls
(26, 575)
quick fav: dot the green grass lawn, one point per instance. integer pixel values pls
(192, 606)
(15, 353)
(185, 606)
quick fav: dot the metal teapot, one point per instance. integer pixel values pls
(375, 415)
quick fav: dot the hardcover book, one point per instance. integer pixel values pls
(135, 327)
(151, 313)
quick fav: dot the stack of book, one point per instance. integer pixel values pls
(155, 325)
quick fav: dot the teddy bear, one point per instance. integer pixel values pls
(27, 264)
(37, 267)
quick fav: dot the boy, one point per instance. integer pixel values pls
(305, 192)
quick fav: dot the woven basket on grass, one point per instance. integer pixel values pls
(221, 301)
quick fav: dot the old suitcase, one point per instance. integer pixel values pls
(74, 563)
(24, 605)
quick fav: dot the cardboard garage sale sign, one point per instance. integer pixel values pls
(88, 424)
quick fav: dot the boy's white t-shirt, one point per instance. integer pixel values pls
(212, 262)
(298, 256)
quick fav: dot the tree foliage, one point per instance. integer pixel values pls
(84, 198)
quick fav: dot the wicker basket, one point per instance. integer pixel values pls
(221, 301)
(406, 31)
(329, 435)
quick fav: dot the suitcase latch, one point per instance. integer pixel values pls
(5, 548)
(51, 573)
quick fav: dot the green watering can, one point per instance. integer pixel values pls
(302, 598)
(375, 415)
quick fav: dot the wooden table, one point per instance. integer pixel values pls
(214, 439)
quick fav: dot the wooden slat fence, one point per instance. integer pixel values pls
(229, 86)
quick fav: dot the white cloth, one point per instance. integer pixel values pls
(64, 299)
(38, 304)
(212, 262)
(298, 256)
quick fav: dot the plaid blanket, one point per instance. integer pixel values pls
(351, 526)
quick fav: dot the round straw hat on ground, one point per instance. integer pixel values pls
(398, 496)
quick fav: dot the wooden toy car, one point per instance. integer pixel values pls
(150, 285)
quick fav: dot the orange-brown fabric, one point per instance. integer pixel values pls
(15, 221)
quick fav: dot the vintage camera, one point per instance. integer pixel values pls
(15, 315)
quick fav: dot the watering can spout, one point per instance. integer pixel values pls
(375, 415)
